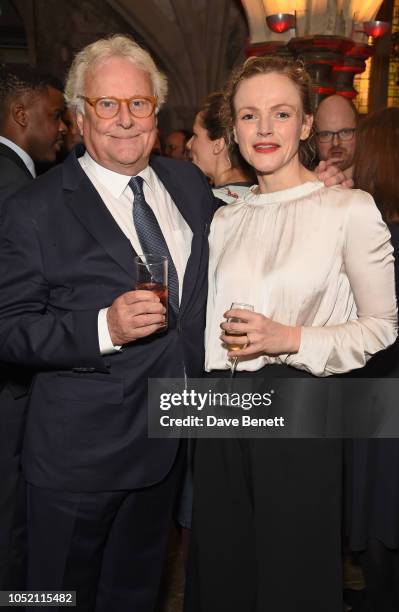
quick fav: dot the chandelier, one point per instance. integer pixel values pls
(330, 36)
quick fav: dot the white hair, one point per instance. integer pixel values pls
(117, 45)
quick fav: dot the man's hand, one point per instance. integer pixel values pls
(331, 175)
(134, 315)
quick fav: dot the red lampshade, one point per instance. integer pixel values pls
(280, 22)
(376, 29)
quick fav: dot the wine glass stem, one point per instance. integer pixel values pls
(233, 366)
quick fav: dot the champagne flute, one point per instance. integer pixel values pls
(236, 347)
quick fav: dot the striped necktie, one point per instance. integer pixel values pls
(151, 238)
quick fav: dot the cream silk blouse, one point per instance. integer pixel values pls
(312, 256)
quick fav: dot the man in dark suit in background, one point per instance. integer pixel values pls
(31, 125)
(100, 492)
(31, 128)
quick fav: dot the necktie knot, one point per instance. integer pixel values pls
(136, 185)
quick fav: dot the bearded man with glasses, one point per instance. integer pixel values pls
(100, 492)
(336, 120)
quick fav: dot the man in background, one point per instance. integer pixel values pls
(175, 144)
(335, 121)
(31, 128)
(72, 136)
(31, 125)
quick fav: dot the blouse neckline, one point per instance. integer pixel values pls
(285, 195)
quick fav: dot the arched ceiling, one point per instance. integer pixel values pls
(196, 42)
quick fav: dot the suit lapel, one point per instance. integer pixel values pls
(87, 205)
(85, 202)
(192, 218)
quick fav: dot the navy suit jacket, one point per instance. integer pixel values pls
(13, 172)
(13, 175)
(62, 258)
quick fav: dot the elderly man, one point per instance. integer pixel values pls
(335, 121)
(100, 492)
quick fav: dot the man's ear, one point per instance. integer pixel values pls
(20, 114)
(80, 121)
(306, 126)
(218, 146)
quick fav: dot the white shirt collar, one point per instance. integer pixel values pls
(113, 181)
(28, 161)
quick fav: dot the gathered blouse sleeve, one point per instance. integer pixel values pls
(369, 265)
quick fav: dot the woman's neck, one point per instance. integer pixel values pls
(291, 175)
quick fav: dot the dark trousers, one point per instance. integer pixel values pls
(380, 567)
(12, 492)
(107, 546)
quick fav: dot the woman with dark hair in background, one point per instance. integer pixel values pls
(374, 463)
(229, 173)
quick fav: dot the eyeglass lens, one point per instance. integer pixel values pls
(344, 134)
(109, 107)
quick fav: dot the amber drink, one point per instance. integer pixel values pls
(152, 275)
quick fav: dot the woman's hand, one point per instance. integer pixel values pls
(331, 175)
(259, 335)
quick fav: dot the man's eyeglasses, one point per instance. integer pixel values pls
(345, 134)
(107, 108)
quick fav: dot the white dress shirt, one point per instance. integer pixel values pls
(28, 161)
(116, 194)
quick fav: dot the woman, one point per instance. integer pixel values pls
(374, 464)
(231, 177)
(266, 526)
(229, 174)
